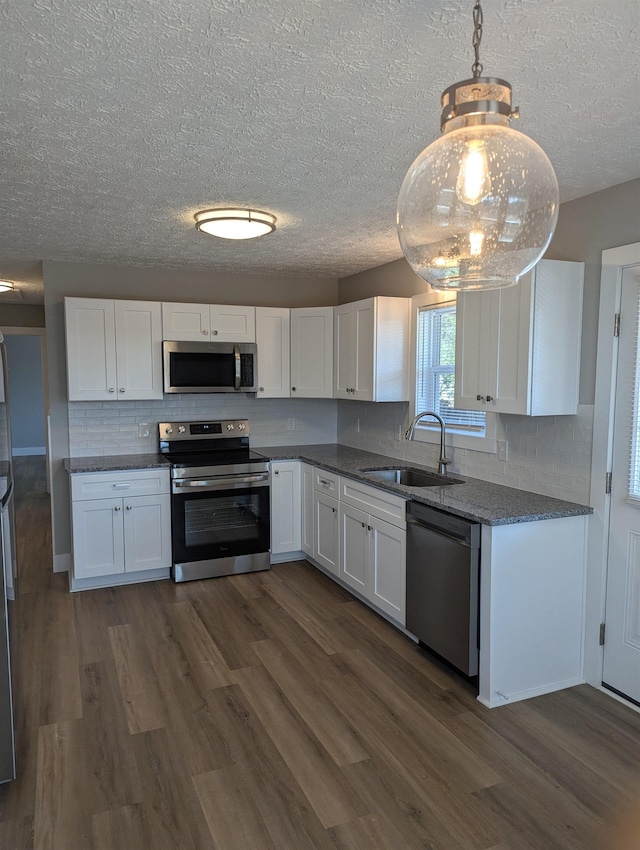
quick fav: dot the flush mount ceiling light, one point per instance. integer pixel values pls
(478, 207)
(235, 223)
(6, 286)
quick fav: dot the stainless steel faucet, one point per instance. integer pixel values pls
(442, 460)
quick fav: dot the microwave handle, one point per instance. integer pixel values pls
(236, 354)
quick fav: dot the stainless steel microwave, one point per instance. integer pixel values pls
(210, 367)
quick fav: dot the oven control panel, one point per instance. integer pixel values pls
(220, 430)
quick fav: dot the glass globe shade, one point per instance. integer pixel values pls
(477, 208)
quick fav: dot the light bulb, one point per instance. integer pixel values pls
(473, 183)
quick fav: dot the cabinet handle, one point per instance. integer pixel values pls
(124, 484)
(128, 507)
(117, 508)
(323, 482)
(490, 398)
(112, 389)
(479, 398)
(206, 333)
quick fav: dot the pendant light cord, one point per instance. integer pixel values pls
(476, 68)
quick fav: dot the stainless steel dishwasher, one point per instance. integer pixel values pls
(443, 571)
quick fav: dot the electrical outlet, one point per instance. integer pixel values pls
(502, 450)
(144, 430)
(397, 432)
(291, 424)
(356, 426)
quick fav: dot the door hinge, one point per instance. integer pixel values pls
(616, 324)
(602, 630)
(607, 482)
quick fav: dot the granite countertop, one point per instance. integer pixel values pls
(477, 500)
(116, 462)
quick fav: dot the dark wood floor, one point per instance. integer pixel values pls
(274, 711)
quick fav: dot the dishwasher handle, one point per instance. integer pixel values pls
(462, 531)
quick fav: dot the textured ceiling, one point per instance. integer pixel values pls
(118, 120)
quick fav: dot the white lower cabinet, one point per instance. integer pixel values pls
(286, 507)
(121, 527)
(307, 532)
(326, 549)
(373, 560)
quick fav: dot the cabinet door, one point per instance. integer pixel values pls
(388, 568)
(312, 352)
(326, 549)
(230, 323)
(286, 507)
(98, 538)
(307, 531)
(138, 349)
(477, 319)
(147, 532)
(185, 322)
(91, 349)
(272, 337)
(363, 341)
(343, 374)
(354, 549)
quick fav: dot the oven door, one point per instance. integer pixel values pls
(220, 526)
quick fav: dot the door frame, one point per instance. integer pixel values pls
(614, 261)
(11, 330)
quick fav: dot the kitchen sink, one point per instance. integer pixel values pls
(412, 477)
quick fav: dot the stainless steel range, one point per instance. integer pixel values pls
(220, 499)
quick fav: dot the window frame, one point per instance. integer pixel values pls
(425, 431)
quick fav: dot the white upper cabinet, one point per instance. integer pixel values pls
(272, 337)
(312, 352)
(371, 344)
(518, 349)
(202, 322)
(114, 349)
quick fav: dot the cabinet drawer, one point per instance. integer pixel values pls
(105, 485)
(326, 482)
(378, 503)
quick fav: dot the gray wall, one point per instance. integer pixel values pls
(153, 284)
(24, 358)
(586, 227)
(22, 315)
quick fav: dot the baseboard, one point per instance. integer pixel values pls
(518, 696)
(62, 563)
(29, 450)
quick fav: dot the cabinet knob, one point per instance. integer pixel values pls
(112, 389)
(293, 389)
(121, 389)
(479, 398)
(333, 509)
(117, 508)
(261, 389)
(206, 333)
(128, 507)
(276, 472)
(490, 398)
(368, 528)
(364, 525)
(215, 333)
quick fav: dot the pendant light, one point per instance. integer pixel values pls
(478, 207)
(6, 286)
(233, 223)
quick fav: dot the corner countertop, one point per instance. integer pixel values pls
(477, 500)
(114, 463)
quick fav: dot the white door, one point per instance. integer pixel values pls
(272, 337)
(354, 548)
(343, 351)
(388, 568)
(327, 549)
(98, 538)
(147, 532)
(307, 534)
(230, 323)
(364, 323)
(91, 349)
(622, 644)
(286, 507)
(138, 349)
(312, 352)
(185, 322)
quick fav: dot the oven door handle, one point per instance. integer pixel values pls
(199, 483)
(236, 354)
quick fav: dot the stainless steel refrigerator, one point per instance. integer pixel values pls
(7, 578)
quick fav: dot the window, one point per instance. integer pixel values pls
(634, 466)
(434, 358)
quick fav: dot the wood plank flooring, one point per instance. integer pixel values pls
(274, 712)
